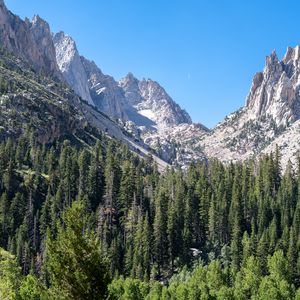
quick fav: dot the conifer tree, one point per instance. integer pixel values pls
(77, 268)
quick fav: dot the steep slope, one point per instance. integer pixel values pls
(144, 108)
(152, 101)
(272, 106)
(106, 94)
(171, 133)
(31, 101)
(275, 92)
(145, 102)
(31, 41)
(69, 63)
(87, 79)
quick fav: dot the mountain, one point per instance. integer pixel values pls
(142, 110)
(144, 107)
(106, 94)
(30, 40)
(269, 117)
(69, 63)
(148, 113)
(144, 102)
(152, 101)
(275, 91)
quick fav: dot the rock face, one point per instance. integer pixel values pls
(269, 117)
(275, 92)
(152, 101)
(144, 102)
(87, 79)
(69, 63)
(29, 40)
(105, 92)
(165, 127)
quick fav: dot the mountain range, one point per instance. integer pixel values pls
(140, 112)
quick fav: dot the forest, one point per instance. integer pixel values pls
(99, 222)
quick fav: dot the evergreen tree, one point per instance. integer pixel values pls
(77, 268)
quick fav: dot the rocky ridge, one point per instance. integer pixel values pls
(143, 107)
(72, 68)
(30, 40)
(149, 115)
(268, 118)
(152, 101)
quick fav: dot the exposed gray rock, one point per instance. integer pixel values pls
(153, 102)
(106, 94)
(43, 38)
(69, 63)
(275, 92)
(29, 40)
(272, 107)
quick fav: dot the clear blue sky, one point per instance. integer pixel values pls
(204, 53)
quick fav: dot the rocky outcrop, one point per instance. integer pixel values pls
(43, 39)
(152, 101)
(272, 109)
(105, 92)
(275, 92)
(30, 40)
(144, 102)
(70, 64)
(87, 79)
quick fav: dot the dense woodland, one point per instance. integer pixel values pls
(97, 222)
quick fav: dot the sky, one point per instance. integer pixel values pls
(203, 52)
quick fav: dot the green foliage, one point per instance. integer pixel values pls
(77, 268)
(69, 214)
(128, 289)
(215, 282)
(32, 289)
(10, 276)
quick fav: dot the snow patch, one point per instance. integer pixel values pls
(101, 90)
(148, 113)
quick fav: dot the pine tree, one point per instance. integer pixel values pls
(147, 248)
(83, 163)
(77, 268)
(160, 246)
(95, 183)
(292, 255)
(5, 217)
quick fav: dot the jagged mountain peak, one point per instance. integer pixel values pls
(65, 48)
(292, 55)
(272, 58)
(272, 108)
(61, 35)
(274, 92)
(273, 67)
(129, 79)
(28, 40)
(70, 64)
(130, 76)
(37, 20)
(152, 101)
